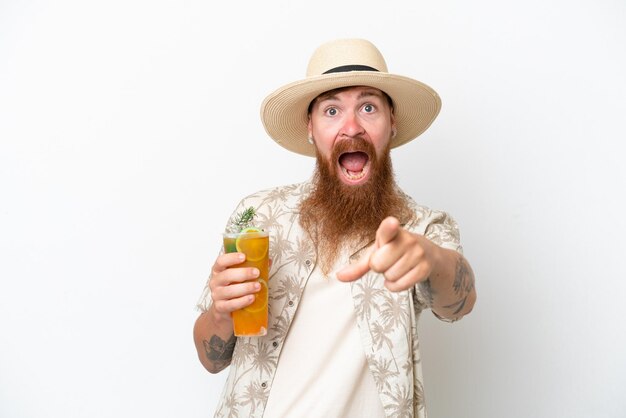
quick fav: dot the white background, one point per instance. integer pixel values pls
(128, 130)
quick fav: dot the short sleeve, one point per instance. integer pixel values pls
(443, 230)
(440, 228)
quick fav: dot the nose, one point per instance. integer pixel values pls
(351, 126)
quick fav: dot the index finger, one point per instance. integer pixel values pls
(387, 231)
(225, 261)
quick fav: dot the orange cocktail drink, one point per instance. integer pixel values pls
(252, 320)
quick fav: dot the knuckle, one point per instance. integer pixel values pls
(218, 265)
(391, 286)
(216, 296)
(219, 307)
(376, 266)
(421, 271)
(215, 281)
(376, 262)
(390, 276)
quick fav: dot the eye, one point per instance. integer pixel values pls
(331, 111)
(368, 108)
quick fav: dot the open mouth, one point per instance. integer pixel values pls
(354, 166)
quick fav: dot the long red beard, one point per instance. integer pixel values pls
(337, 215)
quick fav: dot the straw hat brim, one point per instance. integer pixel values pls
(284, 112)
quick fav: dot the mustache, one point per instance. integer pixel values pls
(353, 144)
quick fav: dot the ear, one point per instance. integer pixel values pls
(309, 128)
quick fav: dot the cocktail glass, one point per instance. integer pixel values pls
(251, 320)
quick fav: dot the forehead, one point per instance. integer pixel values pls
(361, 91)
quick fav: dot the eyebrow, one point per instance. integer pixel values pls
(365, 93)
(368, 93)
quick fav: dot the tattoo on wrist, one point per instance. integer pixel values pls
(463, 284)
(218, 351)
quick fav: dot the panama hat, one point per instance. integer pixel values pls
(345, 63)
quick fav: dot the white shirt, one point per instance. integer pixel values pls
(322, 370)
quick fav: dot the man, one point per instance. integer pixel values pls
(354, 260)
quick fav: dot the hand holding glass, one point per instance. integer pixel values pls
(251, 320)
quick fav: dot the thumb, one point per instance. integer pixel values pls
(356, 270)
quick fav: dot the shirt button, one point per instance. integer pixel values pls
(275, 344)
(307, 262)
(290, 303)
(264, 385)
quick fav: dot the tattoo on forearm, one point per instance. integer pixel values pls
(463, 284)
(218, 351)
